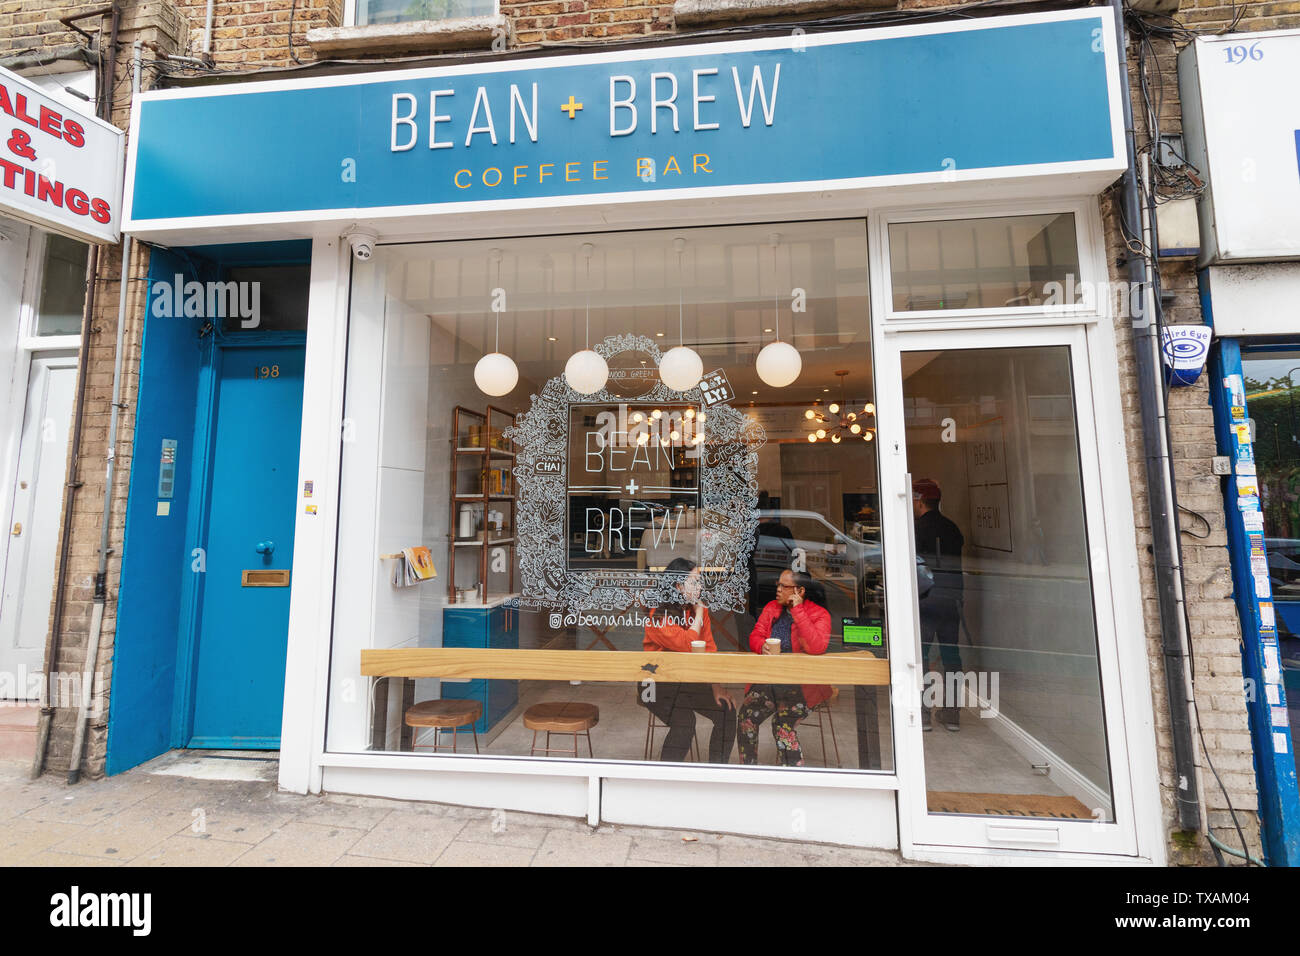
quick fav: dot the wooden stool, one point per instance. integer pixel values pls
(656, 724)
(444, 714)
(825, 708)
(561, 717)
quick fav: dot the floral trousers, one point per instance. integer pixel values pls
(786, 706)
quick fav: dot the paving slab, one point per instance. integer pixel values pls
(467, 853)
(594, 848)
(301, 844)
(127, 834)
(404, 835)
(20, 838)
(191, 850)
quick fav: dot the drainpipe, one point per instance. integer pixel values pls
(101, 573)
(1161, 496)
(107, 74)
(207, 28)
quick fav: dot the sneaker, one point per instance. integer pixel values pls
(951, 719)
(926, 722)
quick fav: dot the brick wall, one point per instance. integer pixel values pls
(586, 19)
(33, 26)
(255, 34)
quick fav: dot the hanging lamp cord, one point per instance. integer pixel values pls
(775, 308)
(681, 324)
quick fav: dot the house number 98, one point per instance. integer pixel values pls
(266, 371)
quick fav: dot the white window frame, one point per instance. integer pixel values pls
(28, 340)
(350, 13)
(1092, 267)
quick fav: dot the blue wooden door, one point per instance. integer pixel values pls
(244, 618)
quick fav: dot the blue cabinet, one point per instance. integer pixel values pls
(495, 627)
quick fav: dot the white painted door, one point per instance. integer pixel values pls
(1009, 719)
(32, 531)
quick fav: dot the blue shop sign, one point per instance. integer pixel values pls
(942, 102)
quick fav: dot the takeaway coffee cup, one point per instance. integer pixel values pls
(697, 647)
(773, 645)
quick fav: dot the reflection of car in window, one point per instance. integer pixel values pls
(843, 563)
(1284, 568)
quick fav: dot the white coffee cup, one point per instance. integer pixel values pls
(773, 645)
(698, 647)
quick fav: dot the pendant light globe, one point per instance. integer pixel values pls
(496, 374)
(779, 364)
(681, 368)
(586, 372)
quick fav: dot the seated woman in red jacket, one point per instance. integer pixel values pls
(672, 627)
(802, 627)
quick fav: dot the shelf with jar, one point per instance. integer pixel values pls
(482, 507)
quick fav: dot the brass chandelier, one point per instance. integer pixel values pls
(841, 422)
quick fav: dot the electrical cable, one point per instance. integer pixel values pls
(1209, 529)
(1152, 257)
(293, 8)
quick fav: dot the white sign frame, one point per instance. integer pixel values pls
(96, 169)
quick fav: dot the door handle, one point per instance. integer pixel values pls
(18, 529)
(266, 548)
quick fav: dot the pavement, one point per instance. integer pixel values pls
(190, 808)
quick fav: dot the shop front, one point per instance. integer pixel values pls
(1249, 286)
(704, 436)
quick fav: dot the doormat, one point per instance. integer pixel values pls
(1008, 805)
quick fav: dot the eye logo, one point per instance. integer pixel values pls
(1185, 348)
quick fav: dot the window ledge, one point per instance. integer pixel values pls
(419, 36)
(693, 12)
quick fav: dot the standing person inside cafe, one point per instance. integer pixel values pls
(794, 623)
(675, 626)
(939, 544)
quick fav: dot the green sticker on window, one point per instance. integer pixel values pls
(871, 635)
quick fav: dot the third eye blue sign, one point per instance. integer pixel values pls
(995, 97)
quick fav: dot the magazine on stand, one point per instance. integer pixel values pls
(413, 566)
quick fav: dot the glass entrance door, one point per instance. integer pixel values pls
(1010, 737)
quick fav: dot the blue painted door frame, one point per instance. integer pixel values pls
(214, 505)
(150, 699)
(1279, 798)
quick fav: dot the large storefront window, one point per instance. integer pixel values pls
(622, 501)
(1272, 381)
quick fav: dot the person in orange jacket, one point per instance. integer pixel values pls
(672, 627)
(802, 627)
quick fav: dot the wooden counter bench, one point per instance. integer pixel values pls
(852, 668)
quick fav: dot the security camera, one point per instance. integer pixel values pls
(362, 243)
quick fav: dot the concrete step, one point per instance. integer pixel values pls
(18, 730)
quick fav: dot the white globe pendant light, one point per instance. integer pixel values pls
(681, 368)
(495, 373)
(587, 371)
(778, 363)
